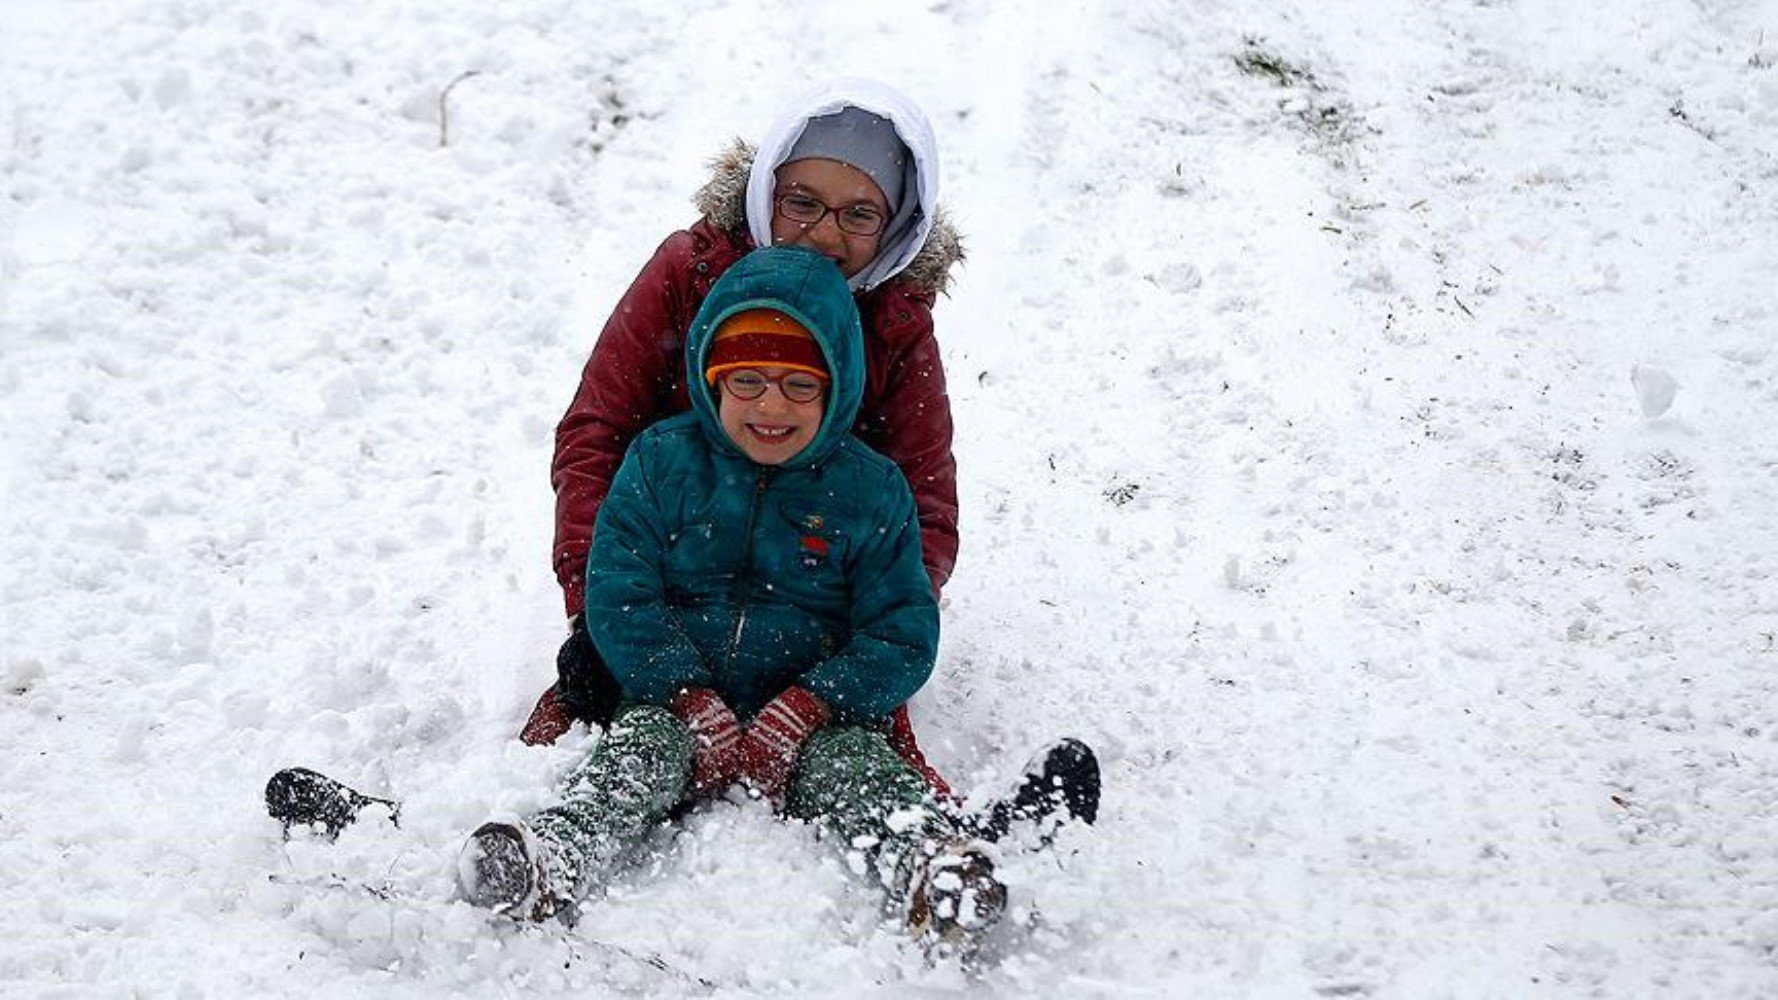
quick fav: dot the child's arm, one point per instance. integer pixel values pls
(894, 618)
(623, 389)
(912, 426)
(637, 633)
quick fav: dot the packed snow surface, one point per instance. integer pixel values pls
(1366, 442)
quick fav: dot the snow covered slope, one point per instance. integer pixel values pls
(1428, 651)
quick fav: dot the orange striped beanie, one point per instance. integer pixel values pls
(759, 338)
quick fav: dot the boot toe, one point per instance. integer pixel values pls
(495, 870)
(956, 899)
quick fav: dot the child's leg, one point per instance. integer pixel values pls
(852, 783)
(629, 783)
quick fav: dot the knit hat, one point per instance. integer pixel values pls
(864, 140)
(757, 338)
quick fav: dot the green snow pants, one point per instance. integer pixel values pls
(860, 791)
(848, 780)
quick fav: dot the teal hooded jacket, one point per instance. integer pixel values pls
(710, 570)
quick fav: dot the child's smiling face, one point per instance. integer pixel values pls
(838, 186)
(772, 429)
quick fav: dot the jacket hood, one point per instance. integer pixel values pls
(807, 287)
(921, 250)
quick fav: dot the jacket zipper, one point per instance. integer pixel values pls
(743, 576)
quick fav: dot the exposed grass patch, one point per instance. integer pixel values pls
(1259, 60)
(1314, 105)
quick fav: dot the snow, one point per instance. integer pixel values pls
(1429, 652)
(1655, 389)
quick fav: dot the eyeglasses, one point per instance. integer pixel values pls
(749, 383)
(858, 220)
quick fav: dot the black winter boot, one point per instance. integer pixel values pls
(1059, 786)
(507, 869)
(297, 796)
(954, 899)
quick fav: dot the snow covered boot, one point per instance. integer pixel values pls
(1060, 785)
(297, 796)
(506, 868)
(954, 899)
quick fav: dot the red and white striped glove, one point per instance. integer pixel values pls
(716, 739)
(776, 736)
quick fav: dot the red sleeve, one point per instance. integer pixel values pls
(632, 379)
(907, 417)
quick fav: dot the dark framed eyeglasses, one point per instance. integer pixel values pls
(858, 220)
(750, 384)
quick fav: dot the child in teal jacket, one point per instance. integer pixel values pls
(755, 585)
(728, 560)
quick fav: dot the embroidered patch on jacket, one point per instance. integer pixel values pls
(814, 549)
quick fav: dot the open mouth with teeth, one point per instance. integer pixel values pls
(770, 433)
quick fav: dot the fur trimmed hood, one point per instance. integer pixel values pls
(723, 200)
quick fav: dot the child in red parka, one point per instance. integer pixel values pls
(848, 169)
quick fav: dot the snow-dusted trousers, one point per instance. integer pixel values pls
(867, 799)
(626, 786)
(848, 780)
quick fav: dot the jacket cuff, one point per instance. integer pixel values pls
(571, 575)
